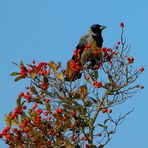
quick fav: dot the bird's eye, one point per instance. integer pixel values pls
(95, 30)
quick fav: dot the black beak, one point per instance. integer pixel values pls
(103, 27)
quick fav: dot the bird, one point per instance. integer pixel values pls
(82, 55)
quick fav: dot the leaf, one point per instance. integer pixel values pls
(32, 66)
(14, 122)
(59, 76)
(32, 114)
(18, 101)
(33, 74)
(18, 78)
(7, 120)
(87, 78)
(21, 63)
(58, 65)
(14, 74)
(53, 66)
(15, 63)
(83, 91)
(33, 90)
(48, 106)
(96, 74)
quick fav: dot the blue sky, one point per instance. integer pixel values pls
(50, 29)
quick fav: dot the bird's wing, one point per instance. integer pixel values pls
(83, 41)
(81, 45)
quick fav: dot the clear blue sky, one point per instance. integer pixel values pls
(47, 30)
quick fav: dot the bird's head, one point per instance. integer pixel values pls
(96, 29)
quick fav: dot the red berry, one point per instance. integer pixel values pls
(88, 46)
(141, 69)
(104, 110)
(94, 83)
(27, 130)
(33, 62)
(97, 66)
(122, 25)
(34, 106)
(130, 60)
(8, 136)
(117, 47)
(46, 113)
(142, 87)
(59, 110)
(49, 143)
(24, 107)
(1, 135)
(99, 134)
(73, 114)
(118, 43)
(27, 87)
(99, 84)
(21, 94)
(18, 110)
(27, 93)
(47, 100)
(39, 111)
(110, 111)
(12, 116)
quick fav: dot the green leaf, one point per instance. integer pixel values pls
(15, 63)
(18, 78)
(7, 120)
(18, 101)
(14, 74)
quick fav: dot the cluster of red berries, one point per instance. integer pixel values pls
(117, 46)
(105, 110)
(87, 46)
(4, 133)
(23, 71)
(15, 113)
(97, 84)
(130, 60)
(59, 110)
(76, 66)
(44, 86)
(38, 120)
(39, 111)
(41, 69)
(77, 53)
